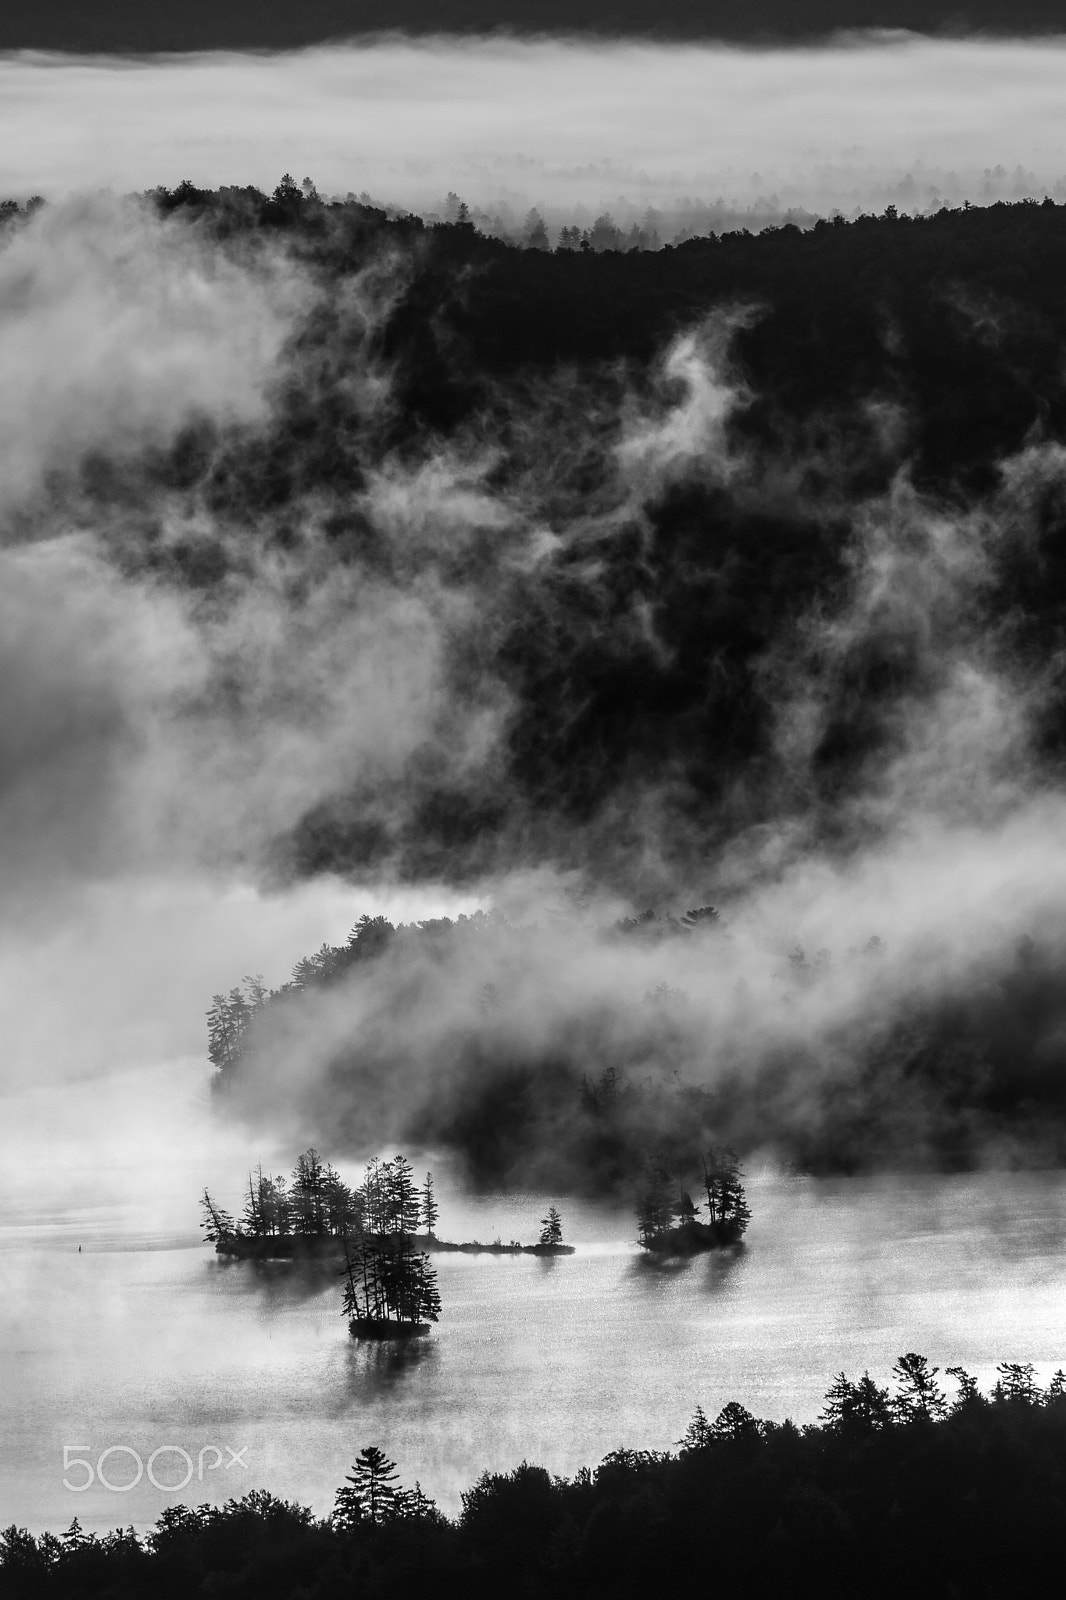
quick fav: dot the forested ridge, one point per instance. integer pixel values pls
(727, 575)
(650, 643)
(910, 1489)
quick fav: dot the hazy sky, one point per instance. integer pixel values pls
(548, 122)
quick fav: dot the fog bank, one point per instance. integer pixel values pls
(562, 124)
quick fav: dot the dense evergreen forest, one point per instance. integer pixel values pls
(316, 1203)
(645, 647)
(896, 1490)
(650, 592)
(619, 1099)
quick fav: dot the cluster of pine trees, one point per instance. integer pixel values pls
(316, 1203)
(236, 1021)
(665, 1206)
(389, 1282)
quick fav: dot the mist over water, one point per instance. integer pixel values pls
(275, 655)
(555, 1361)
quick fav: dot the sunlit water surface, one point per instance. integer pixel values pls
(148, 1340)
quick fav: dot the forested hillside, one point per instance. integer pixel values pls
(727, 575)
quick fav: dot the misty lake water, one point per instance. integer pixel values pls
(144, 1341)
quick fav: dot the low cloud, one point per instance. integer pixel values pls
(249, 636)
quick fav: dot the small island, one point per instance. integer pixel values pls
(390, 1290)
(669, 1221)
(312, 1214)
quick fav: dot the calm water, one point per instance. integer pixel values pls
(151, 1341)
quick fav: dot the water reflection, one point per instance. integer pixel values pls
(381, 1364)
(651, 1268)
(280, 1283)
(721, 1268)
(556, 1359)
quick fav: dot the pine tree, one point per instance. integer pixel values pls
(551, 1227)
(255, 991)
(287, 192)
(862, 1406)
(224, 1032)
(369, 1493)
(918, 1394)
(839, 1402)
(426, 1295)
(253, 1209)
(698, 1434)
(873, 1405)
(307, 1197)
(217, 1224)
(403, 1201)
(735, 1422)
(726, 1201)
(341, 1207)
(1019, 1382)
(430, 1209)
(968, 1394)
(534, 233)
(274, 1200)
(654, 1207)
(414, 1505)
(371, 1195)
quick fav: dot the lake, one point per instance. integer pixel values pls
(146, 1342)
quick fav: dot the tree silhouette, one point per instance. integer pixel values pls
(217, 1224)
(551, 1228)
(430, 1209)
(369, 1493)
(698, 1435)
(287, 192)
(534, 233)
(918, 1395)
(735, 1422)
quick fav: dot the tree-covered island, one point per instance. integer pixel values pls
(669, 1221)
(390, 1289)
(315, 1213)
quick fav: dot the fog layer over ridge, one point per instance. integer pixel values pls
(570, 126)
(282, 602)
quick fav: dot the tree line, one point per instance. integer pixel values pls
(316, 1203)
(895, 1489)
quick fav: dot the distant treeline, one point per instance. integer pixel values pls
(895, 1491)
(238, 1020)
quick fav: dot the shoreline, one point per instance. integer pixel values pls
(297, 1247)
